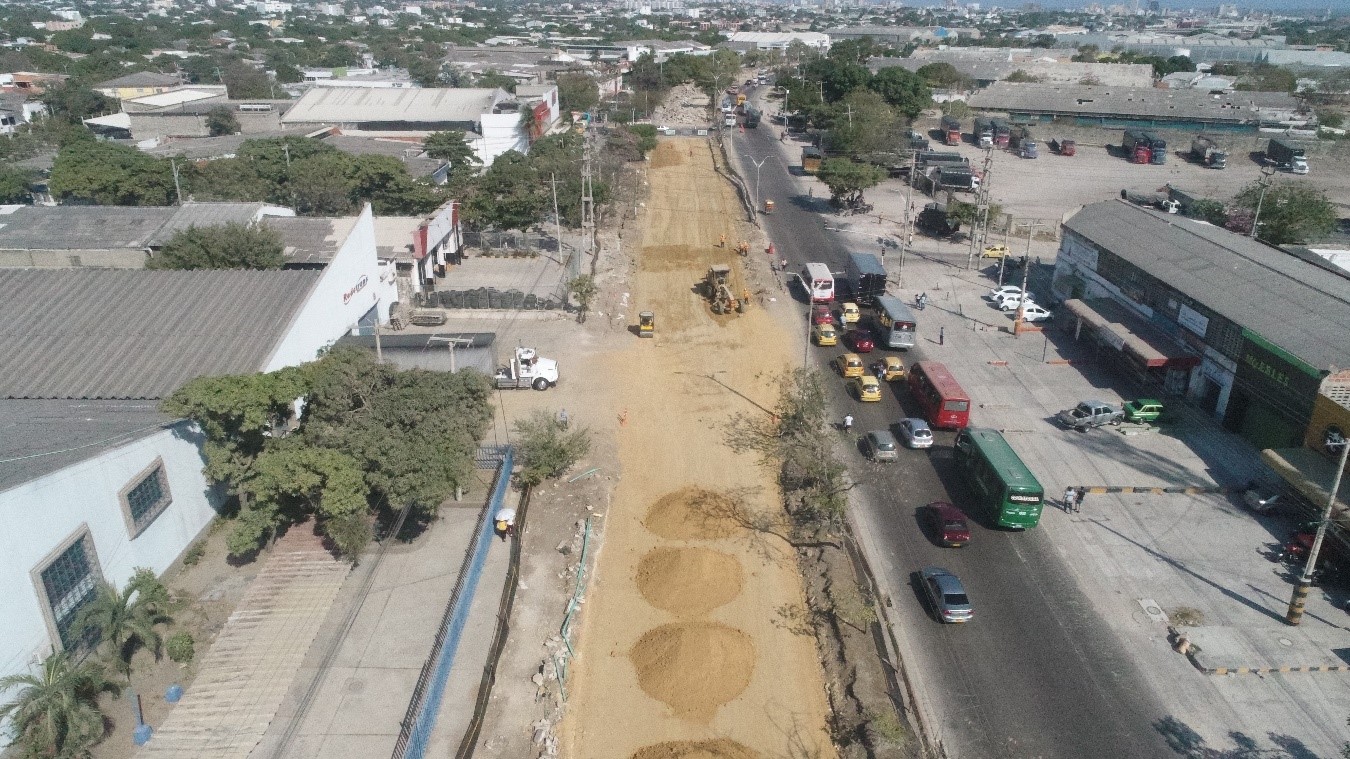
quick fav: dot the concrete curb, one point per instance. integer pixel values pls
(1154, 490)
(1265, 670)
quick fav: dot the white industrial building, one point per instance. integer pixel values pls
(95, 481)
(490, 117)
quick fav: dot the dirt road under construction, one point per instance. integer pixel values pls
(690, 645)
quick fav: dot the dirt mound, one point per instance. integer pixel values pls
(694, 668)
(692, 514)
(688, 580)
(668, 154)
(715, 749)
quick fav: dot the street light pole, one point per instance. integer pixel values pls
(757, 164)
(1300, 597)
(908, 232)
(1026, 273)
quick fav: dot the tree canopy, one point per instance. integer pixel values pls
(863, 122)
(223, 246)
(848, 179)
(577, 92)
(1291, 213)
(108, 174)
(370, 434)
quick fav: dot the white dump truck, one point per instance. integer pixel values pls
(528, 369)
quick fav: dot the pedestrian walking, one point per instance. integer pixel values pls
(722, 241)
(563, 420)
(1078, 499)
(848, 422)
(810, 192)
(1070, 495)
(942, 335)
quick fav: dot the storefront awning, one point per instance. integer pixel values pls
(1130, 332)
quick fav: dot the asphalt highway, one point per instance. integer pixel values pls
(1036, 673)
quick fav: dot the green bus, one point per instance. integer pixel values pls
(1004, 484)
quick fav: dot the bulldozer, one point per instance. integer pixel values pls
(717, 289)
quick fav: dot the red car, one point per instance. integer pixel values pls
(821, 314)
(859, 341)
(948, 523)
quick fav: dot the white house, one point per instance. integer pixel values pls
(95, 481)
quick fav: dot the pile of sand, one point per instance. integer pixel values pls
(716, 749)
(693, 513)
(688, 580)
(693, 668)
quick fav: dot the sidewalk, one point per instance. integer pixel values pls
(352, 691)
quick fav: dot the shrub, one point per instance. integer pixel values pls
(181, 647)
(194, 554)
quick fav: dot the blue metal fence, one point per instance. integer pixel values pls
(426, 701)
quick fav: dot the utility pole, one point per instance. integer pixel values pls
(979, 231)
(1267, 172)
(178, 187)
(557, 218)
(1026, 274)
(908, 232)
(1295, 614)
(587, 205)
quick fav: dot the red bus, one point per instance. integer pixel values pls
(944, 403)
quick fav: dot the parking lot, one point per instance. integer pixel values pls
(1052, 185)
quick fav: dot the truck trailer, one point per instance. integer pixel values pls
(1288, 156)
(867, 277)
(1205, 151)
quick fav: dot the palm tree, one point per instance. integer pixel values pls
(124, 621)
(55, 714)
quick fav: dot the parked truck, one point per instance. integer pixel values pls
(950, 127)
(914, 141)
(1138, 148)
(1002, 133)
(527, 369)
(1205, 151)
(959, 178)
(930, 158)
(1024, 142)
(867, 277)
(1288, 156)
(1160, 200)
(1157, 147)
(811, 158)
(752, 116)
(983, 132)
(1063, 146)
(934, 220)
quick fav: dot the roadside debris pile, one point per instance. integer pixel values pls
(684, 106)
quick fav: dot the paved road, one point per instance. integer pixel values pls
(1037, 673)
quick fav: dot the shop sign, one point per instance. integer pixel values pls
(1192, 320)
(358, 287)
(1266, 365)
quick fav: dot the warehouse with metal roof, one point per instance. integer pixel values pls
(1138, 106)
(95, 480)
(1246, 330)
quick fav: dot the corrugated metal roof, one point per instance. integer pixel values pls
(325, 105)
(204, 215)
(104, 333)
(1300, 307)
(81, 227)
(311, 240)
(141, 79)
(38, 437)
(1152, 103)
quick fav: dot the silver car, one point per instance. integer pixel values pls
(916, 433)
(880, 446)
(947, 595)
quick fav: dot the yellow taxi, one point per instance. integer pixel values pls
(825, 335)
(893, 369)
(994, 251)
(867, 388)
(850, 312)
(850, 365)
